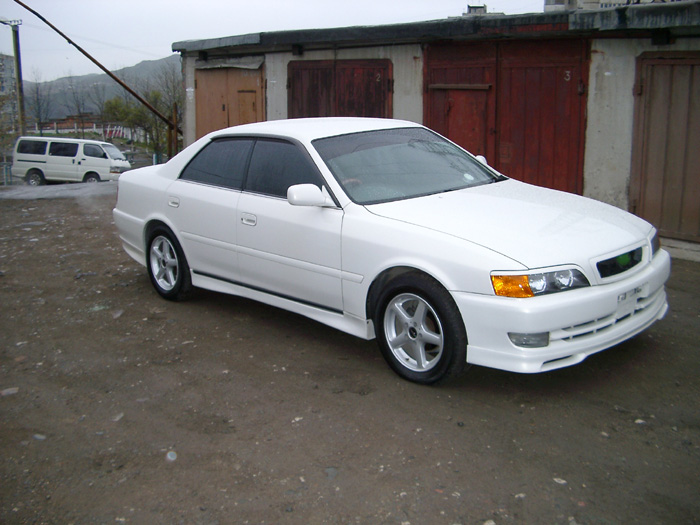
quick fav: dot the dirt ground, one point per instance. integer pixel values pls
(120, 407)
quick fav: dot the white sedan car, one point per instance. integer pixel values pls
(382, 228)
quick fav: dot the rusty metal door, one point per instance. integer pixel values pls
(665, 182)
(541, 108)
(462, 96)
(520, 103)
(227, 97)
(363, 88)
(347, 88)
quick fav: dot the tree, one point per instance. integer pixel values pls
(97, 94)
(77, 102)
(40, 100)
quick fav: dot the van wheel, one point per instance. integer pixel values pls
(35, 178)
(91, 177)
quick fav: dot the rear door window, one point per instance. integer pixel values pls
(32, 147)
(63, 149)
(220, 163)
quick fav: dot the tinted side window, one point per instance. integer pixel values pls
(32, 147)
(63, 149)
(221, 163)
(91, 150)
(277, 165)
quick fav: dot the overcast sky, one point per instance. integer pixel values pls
(121, 33)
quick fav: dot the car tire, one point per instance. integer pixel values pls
(91, 177)
(35, 178)
(167, 266)
(420, 330)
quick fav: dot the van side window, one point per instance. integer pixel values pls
(63, 149)
(91, 150)
(32, 147)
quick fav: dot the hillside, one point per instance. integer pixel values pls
(138, 77)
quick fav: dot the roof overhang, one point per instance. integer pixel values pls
(674, 19)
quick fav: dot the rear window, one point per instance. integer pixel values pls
(32, 147)
(63, 149)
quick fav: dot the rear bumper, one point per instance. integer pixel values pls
(579, 322)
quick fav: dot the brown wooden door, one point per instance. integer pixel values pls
(311, 89)
(665, 185)
(521, 104)
(227, 97)
(343, 88)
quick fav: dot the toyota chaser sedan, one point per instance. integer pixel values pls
(384, 229)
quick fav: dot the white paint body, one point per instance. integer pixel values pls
(320, 261)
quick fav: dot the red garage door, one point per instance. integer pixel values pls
(521, 104)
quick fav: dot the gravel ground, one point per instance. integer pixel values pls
(119, 407)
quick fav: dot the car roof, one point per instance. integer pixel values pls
(308, 129)
(63, 139)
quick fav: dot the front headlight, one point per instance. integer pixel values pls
(655, 244)
(534, 284)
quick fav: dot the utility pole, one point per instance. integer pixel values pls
(19, 88)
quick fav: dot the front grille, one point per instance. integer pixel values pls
(596, 326)
(620, 263)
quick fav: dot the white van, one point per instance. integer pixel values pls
(41, 159)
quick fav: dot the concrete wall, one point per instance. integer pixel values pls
(407, 63)
(610, 123)
(189, 113)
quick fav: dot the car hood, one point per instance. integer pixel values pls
(534, 226)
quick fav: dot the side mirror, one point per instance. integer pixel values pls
(308, 195)
(482, 159)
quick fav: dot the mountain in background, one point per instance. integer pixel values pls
(140, 78)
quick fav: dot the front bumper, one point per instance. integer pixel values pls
(579, 322)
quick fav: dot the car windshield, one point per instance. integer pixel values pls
(395, 164)
(113, 152)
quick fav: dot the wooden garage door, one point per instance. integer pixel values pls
(339, 88)
(521, 104)
(665, 184)
(227, 97)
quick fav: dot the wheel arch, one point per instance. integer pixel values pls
(385, 277)
(151, 226)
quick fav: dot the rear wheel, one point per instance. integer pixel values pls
(420, 330)
(35, 178)
(167, 266)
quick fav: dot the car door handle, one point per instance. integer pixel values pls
(173, 202)
(249, 219)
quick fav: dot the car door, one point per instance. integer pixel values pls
(289, 251)
(93, 159)
(62, 164)
(201, 205)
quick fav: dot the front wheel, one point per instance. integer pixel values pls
(92, 177)
(420, 330)
(167, 266)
